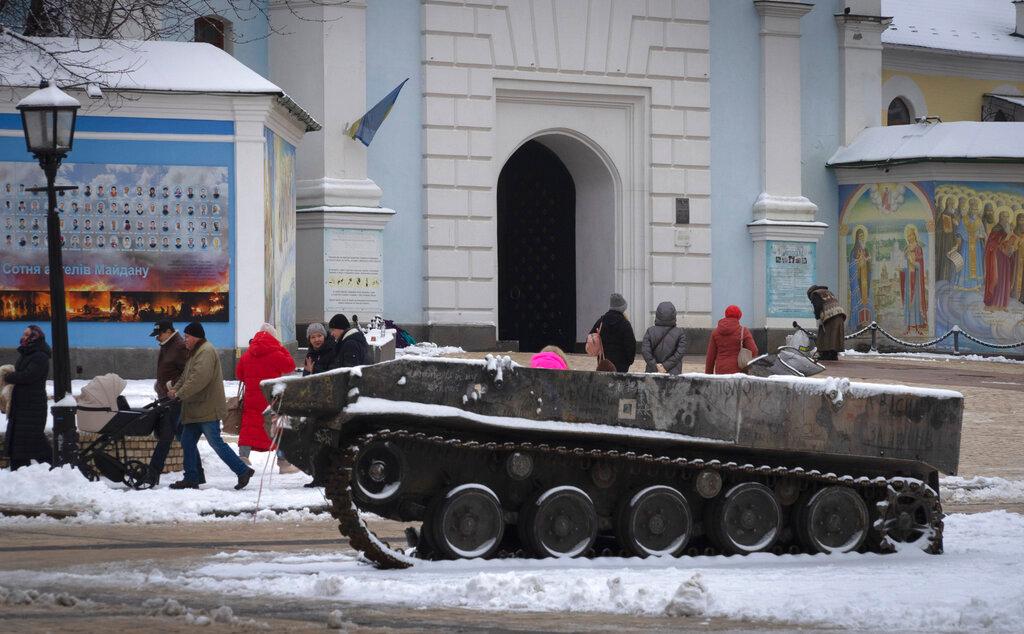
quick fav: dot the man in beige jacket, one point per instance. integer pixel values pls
(201, 392)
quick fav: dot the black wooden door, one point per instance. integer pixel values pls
(536, 250)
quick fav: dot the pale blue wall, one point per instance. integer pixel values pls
(736, 138)
(251, 30)
(735, 150)
(392, 54)
(820, 111)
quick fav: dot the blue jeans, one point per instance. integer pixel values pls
(190, 433)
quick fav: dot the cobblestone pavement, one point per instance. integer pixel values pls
(993, 444)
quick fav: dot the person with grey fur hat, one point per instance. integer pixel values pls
(616, 334)
(321, 345)
(664, 343)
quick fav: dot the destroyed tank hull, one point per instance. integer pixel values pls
(500, 460)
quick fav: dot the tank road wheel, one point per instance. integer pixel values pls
(655, 522)
(561, 522)
(380, 471)
(749, 519)
(834, 520)
(468, 523)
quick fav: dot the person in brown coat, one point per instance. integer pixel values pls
(831, 322)
(725, 343)
(170, 363)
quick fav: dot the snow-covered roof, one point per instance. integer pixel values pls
(974, 27)
(1014, 99)
(136, 65)
(990, 141)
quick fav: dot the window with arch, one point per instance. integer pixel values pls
(215, 30)
(899, 112)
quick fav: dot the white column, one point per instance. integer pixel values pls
(782, 215)
(320, 61)
(860, 65)
(249, 294)
(780, 112)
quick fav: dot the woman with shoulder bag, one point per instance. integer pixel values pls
(731, 346)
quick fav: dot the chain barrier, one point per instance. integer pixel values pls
(954, 332)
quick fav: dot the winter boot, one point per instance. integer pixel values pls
(245, 459)
(244, 478)
(184, 484)
(286, 467)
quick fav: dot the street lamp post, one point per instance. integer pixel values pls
(48, 116)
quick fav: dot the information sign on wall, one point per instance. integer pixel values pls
(352, 272)
(791, 268)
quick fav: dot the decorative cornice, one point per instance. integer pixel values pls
(932, 61)
(782, 8)
(343, 218)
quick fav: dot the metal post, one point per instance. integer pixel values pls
(58, 310)
(956, 340)
(874, 337)
(65, 432)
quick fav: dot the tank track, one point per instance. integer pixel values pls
(339, 486)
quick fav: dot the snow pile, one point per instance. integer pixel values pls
(106, 502)
(931, 356)
(13, 596)
(978, 583)
(171, 607)
(981, 490)
(427, 349)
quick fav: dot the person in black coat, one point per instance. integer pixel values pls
(351, 348)
(617, 336)
(25, 438)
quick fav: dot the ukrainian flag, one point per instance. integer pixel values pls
(366, 126)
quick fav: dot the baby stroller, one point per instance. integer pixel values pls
(103, 410)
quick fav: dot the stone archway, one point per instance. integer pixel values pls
(556, 241)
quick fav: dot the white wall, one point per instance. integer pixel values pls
(647, 64)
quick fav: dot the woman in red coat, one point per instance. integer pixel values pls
(265, 359)
(724, 344)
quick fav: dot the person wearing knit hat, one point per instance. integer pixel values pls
(200, 388)
(350, 349)
(725, 343)
(320, 346)
(616, 334)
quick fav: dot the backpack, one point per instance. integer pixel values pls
(595, 347)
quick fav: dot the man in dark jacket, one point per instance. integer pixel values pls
(351, 348)
(617, 334)
(169, 365)
(26, 440)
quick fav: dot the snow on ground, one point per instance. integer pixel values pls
(977, 584)
(104, 502)
(932, 356)
(981, 490)
(139, 392)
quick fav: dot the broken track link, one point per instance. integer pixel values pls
(340, 482)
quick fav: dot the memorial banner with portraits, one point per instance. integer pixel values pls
(140, 242)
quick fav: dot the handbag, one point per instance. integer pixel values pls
(595, 347)
(232, 423)
(745, 355)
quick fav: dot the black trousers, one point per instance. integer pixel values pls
(167, 429)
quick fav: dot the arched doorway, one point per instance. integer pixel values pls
(536, 250)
